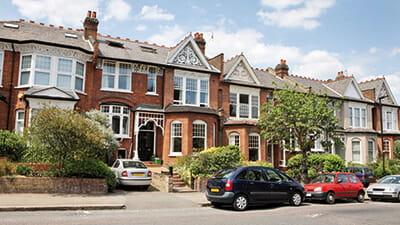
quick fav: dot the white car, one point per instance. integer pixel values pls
(131, 172)
(386, 188)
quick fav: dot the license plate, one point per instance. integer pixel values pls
(370, 177)
(214, 190)
(308, 194)
(137, 174)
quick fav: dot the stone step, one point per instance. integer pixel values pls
(184, 189)
(179, 184)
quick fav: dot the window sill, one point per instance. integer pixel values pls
(175, 154)
(151, 93)
(122, 137)
(117, 90)
(23, 86)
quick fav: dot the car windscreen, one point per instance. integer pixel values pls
(389, 180)
(132, 164)
(224, 173)
(324, 178)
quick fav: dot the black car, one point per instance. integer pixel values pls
(252, 185)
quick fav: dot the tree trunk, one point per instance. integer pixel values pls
(304, 168)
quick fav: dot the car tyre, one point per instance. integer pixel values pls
(330, 198)
(360, 196)
(296, 199)
(240, 202)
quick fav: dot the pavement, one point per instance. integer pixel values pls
(121, 199)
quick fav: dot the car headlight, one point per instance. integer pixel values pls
(317, 189)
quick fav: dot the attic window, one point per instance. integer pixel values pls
(10, 25)
(68, 35)
(148, 49)
(115, 44)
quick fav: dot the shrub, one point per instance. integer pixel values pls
(316, 163)
(392, 166)
(91, 168)
(6, 167)
(24, 170)
(12, 145)
(256, 163)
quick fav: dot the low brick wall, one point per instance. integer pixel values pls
(37, 166)
(200, 184)
(161, 181)
(52, 185)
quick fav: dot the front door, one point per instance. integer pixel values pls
(146, 142)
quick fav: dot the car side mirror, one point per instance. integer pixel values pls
(339, 181)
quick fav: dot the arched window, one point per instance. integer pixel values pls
(176, 138)
(119, 118)
(356, 150)
(234, 139)
(371, 149)
(199, 135)
(254, 146)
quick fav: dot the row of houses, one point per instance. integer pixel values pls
(171, 101)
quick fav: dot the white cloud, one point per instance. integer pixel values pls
(169, 37)
(295, 13)
(395, 51)
(117, 9)
(155, 13)
(373, 50)
(141, 27)
(394, 80)
(57, 12)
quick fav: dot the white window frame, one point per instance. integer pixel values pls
(117, 74)
(202, 125)
(234, 139)
(318, 145)
(369, 151)
(53, 72)
(359, 150)
(174, 135)
(124, 112)
(390, 122)
(254, 144)
(253, 98)
(1, 67)
(358, 117)
(183, 88)
(152, 76)
(19, 123)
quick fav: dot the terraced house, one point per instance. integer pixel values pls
(171, 101)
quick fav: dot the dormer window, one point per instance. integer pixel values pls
(69, 35)
(115, 44)
(11, 25)
(148, 49)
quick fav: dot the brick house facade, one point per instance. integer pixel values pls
(167, 102)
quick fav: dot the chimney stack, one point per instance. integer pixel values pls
(340, 75)
(198, 37)
(282, 69)
(90, 26)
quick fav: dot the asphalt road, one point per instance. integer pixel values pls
(180, 213)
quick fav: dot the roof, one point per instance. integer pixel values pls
(316, 86)
(340, 85)
(51, 93)
(189, 109)
(380, 87)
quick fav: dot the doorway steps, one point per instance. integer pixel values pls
(179, 186)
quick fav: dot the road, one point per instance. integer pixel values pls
(307, 214)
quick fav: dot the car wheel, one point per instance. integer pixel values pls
(330, 198)
(240, 202)
(296, 199)
(360, 196)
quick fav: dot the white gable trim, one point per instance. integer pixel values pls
(353, 84)
(389, 91)
(248, 67)
(192, 43)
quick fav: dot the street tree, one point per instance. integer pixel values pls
(59, 135)
(297, 119)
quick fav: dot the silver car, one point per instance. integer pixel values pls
(130, 172)
(386, 188)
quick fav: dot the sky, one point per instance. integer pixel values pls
(317, 38)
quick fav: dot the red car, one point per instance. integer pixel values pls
(331, 186)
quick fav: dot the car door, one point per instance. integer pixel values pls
(354, 185)
(343, 186)
(257, 185)
(279, 187)
(115, 169)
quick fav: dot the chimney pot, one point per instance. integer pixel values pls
(198, 37)
(94, 14)
(89, 14)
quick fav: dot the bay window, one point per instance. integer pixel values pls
(191, 88)
(116, 76)
(118, 117)
(243, 106)
(356, 150)
(51, 71)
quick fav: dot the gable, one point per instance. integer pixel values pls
(242, 71)
(385, 92)
(353, 91)
(187, 56)
(52, 92)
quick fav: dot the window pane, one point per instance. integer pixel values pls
(357, 117)
(244, 99)
(115, 124)
(244, 110)
(116, 109)
(198, 144)
(123, 82)
(203, 98)
(351, 116)
(191, 84)
(24, 78)
(178, 96)
(178, 83)
(63, 81)
(42, 78)
(204, 86)
(26, 61)
(108, 81)
(109, 67)
(191, 97)
(125, 125)
(356, 151)
(363, 118)
(151, 82)
(177, 144)
(64, 65)
(43, 62)
(371, 150)
(233, 104)
(124, 69)
(80, 68)
(78, 83)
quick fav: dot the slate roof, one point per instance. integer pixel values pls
(27, 32)
(317, 86)
(341, 85)
(189, 109)
(372, 84)
(51, 93)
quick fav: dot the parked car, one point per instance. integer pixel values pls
(331, 186)
(386, 188)
(131, 173)
(243, 186)
(365, 174)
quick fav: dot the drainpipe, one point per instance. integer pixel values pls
(11, 86)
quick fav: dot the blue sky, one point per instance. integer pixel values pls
(318, 38)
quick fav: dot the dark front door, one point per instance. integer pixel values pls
(146, 142)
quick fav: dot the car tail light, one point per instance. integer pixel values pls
(124, 173)
(229, 185)
(149, 173)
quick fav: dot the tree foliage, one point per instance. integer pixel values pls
(59, 135)
(297, 119)
(12, 145)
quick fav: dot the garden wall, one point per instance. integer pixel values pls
(162, 181)
(52, 185)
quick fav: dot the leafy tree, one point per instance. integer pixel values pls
(397, 149)
(297, 119)
(59, 135)
(12, 145)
